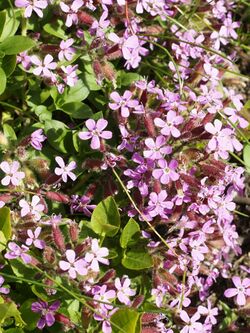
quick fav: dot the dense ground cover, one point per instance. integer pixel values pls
(124, 159)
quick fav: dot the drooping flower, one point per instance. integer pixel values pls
(72, 265)
(34, 208)
(33, 238)
(123, 290)
(37, 138)
(32, 5)
(13, 176)
(96, 131)
(96, 255)
(15, 251)
(65, 171)
(241, 291)
(46, 311)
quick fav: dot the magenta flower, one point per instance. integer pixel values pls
(96, 255)
(72, 265)
(13, 176)
(169, 127)
(37, 138)
(166, 173)
(3, 290)
(43, 68)
(65, 171)
(66, 51)
(158, 205)
(241, 291)
(30, 5)
(15, 251)
(125, 102)
(34, 208)
(156, 149)
(71, 11)
(33, 238)
(96, 131)
(46, 311)
(192, 324)
(209, 312)
(123, 290)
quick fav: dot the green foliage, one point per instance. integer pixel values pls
(105, 219)
(246, 157)
(16, 44)
(130, 233)
(137, 258)
(126, 320)
(9, 310)
(5, 223)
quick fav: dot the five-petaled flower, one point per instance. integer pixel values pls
(43, 67)
(241, 291)
(192, 325)
(15, 251)
(33, 238)
(13, 176)
(125, 102)
(65, 171)
(30, 5)
(71, 11)
(123, 290)
(72, 265)
(166, 173)
(96, 255)
(34, 208)
(96, 131)
(46, 311)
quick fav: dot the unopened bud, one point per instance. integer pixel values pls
(58, 238)
(73, 231)
(59, 197)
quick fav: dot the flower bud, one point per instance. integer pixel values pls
(58, 238)
(58, 197)
(73, 231)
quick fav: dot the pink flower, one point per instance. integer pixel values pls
(169, 127)
(209, 312)
(3, 290)
(71, 11)
(69, 75)
(24, 59)
(72, 265)
(30, 5)
(125, 102)
(33, 238)
(15, 251)
(35, 208)
(43, 67)
(47, 313)
(96, 131)
(158, 205)
(166, 173)
(192, 325)
(241, 291)
(96, 255)
(67, 52)
(13, 176)
(157, 148)
(123, 290)
(65, 171)
(37, 138)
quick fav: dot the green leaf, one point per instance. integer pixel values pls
(9, 64)
(31, 318)
(3, 80)
(137, 258)
(43, 113)
(9, 132)
(77, 110)
(5, 224)
(14, 330)
(9, 23)
(16, 44)
(125, 79)
(126, 320)
(55, 29)
(56, 132)
(246, 157)
(3, 241)
(71, 94)
(131, 229)
(9, 310)
(105, 219)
